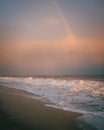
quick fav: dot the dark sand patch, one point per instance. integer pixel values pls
(24, 112)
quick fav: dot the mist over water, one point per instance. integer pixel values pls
(85, 95)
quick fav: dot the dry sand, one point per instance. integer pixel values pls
(18, 111)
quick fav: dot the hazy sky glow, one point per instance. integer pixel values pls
(52, 37)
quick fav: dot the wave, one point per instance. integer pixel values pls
(80, 95)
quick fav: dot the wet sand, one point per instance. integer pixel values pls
(18, 111)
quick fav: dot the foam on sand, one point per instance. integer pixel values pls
(85, 96)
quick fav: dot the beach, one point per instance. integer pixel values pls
(19, 110)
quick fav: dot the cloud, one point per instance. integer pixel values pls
(62, 17)
(47, 57)
(84, 48)
(22, 50)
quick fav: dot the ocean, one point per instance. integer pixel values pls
(83, 94)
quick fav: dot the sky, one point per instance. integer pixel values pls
(52, 37)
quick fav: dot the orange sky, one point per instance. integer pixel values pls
(49, 38)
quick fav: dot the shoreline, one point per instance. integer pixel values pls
(32, 114)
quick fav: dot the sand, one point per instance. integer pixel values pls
(18, 111)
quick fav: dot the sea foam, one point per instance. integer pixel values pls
(80, 95)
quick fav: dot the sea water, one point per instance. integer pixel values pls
(84, 95)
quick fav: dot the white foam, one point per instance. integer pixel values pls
(93, 119)
(82, 96)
